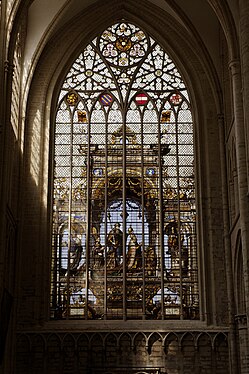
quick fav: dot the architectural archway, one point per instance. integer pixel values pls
(41, 117)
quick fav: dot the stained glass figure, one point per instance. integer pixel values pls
(150, 172)
(124, 224)
(98, 172)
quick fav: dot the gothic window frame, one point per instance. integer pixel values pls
(121, 49)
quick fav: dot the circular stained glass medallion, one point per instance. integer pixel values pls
(106, 99)
(123, 43)
(141, 99)
(72, 98)
(175, 99)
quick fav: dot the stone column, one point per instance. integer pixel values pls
(6, 259)
(2, 127)
(244, 53)
(241, 321)
(242, 171)
(227, 246)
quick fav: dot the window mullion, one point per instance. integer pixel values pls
(143, 221)
(106, 217)
(70, 218)
(88, 218)
(124, 216)
(179, 221)
(161, 216)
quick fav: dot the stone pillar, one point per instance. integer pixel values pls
(241, 321)
(244, 53)
(227, 247)
(242, 171)
(2, 128)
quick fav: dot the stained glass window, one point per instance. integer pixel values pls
(124, 220)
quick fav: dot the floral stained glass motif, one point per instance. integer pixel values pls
(124, 224)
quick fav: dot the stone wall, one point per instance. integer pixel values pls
(124, 352)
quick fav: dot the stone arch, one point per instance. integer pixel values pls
(68, 339)
(188, 351)
(221, 354)
(68, 352)
(96, 357)
(155, 349)
(152, 339)
(125, 336)
(38, 349)
(171, 343)
(94, 338)
(187, 336)
(110, 337)
(83, 351)
(225, 17)
(54, 349)
(204, 352)
(111, 349)
(219, 339)
(84, 338)
(172, 351)
(23, 348)
(140, 351)
(45, 85)
(203, 336)
(125, 348)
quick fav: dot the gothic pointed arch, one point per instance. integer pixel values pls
(124, 230)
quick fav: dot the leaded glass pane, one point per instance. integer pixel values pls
(124, 230)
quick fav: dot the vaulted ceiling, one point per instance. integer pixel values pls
(203, 18)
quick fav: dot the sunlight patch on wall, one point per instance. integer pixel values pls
(45, 165)
(35, 161)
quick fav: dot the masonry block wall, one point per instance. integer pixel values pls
(168, 353)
